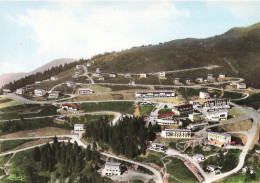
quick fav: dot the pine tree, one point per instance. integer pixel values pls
(37, 154)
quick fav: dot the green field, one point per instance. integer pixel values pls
(11, 144)
(125, 107)
(4, 159)
(177, 168)
(90, 118)
(29, 124)
(146, 109)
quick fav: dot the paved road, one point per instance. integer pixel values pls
(117, 115)
(86, 74)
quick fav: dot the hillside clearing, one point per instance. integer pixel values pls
(48, 131)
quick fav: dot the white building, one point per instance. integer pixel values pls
(132, 82)
(210, 76)
(177, 80)
(196, 125)
(69, 107)
(39, 93)
(71, 84)
(212, 168)
(199, 80)
(112, 75)
(78, 66)
(157, 146)
(143, 75)
(241, 85)
(88, 64)
(165, 122)
(154, 94)
(210, 105)
(194, 116)
(128, 75)
(176, 133)
(101, 79)
(112, 168)
(188, 80)
(161, 74)
(78, 127)
(38, 82)
(84, 91)
(20, 91)
(54, 94)
(222, 76)
(53, 78)
(217, 115)
(6, 91)
(198, 157)
(98, 70)
(204, 95)
(219, 139)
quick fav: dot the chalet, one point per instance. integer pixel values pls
(215, 104)
(212, 168)
(198, 157)
(196, 125)
(154, 94)
(39, 92)
(217, 115)
(241, 85)
(28, 87)
(143, 75)
(176, 133)
(177, 80)
(188, 80)
(98, 70)
(219, 139)
(112, 168)
(199, 80)
(221, 76)
(157, 146)
(84, 91)
(88, 64)
(101, 78)
(210, 76)
(204, 95)
(78, 66)
(179, 109)
(6, 91)
(112, 75)
(54, 94)
(38, 82)
(165, 122)
(69, 107)
(53, 78)
(162, 74)
(132, 82)
(194, 116)
(76, 73)
(195, 103)
(20, 91)
(166, 115)
(128, 75)
(79, 127)
(71, 84)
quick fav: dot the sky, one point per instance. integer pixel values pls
(33, 33)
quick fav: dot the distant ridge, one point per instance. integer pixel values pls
(10, 77)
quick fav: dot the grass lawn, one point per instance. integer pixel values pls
(11, 144)
(2, 172)
(146, 109)
(125, 107)
(7, 102)
(177, 168)
(173, 180)
(90, 118)
(236, 178)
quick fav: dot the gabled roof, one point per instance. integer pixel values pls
(165, 115)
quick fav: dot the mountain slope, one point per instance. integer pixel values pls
(10, 77)
(240, 46)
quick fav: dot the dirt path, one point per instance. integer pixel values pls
(137, 110)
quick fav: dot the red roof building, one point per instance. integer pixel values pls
(166, 115)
